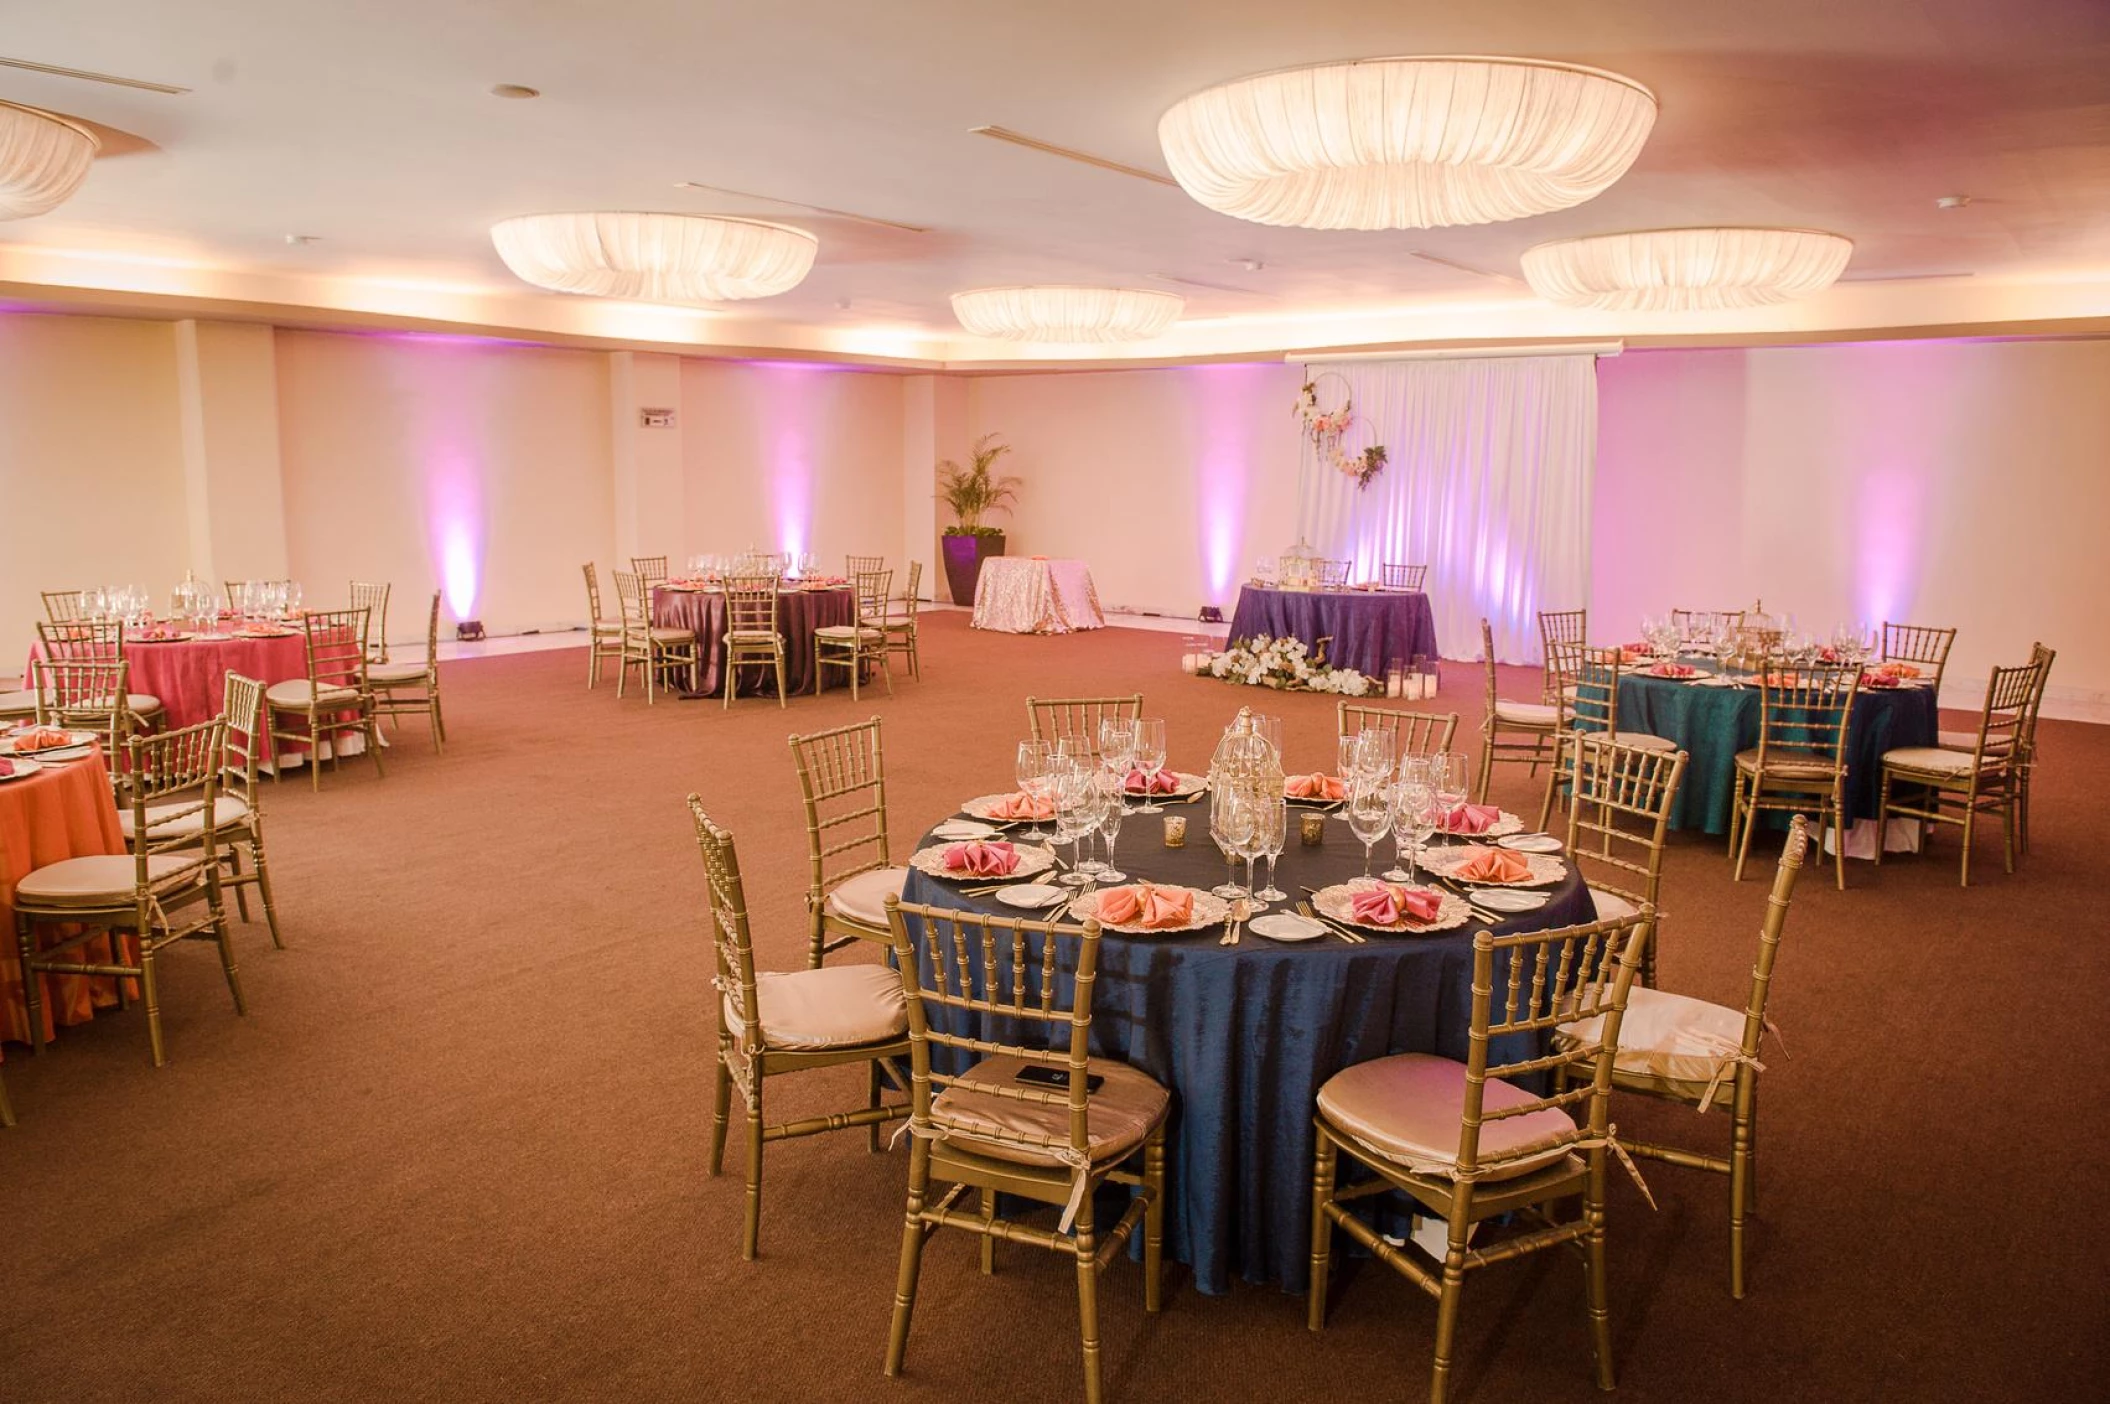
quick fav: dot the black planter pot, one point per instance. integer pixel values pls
(963, 563)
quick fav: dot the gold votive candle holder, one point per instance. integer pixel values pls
(1311, 829)
(1175, 831)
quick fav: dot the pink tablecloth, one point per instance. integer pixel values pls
(1035, 595)
(63, 811)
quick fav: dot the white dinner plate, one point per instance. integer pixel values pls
(1031, 895)
(64, 753)
(963, 829)
(23, 768)
(1508, 899)
(1286, 926)
(1530, 843)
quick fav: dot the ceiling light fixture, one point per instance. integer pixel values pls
(1406, 143)
(43, 160)
(1663, 270)
(519, 92)
(1067, 314)
(655, 257)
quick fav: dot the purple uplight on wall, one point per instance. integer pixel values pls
(1223, 467)
(1889, 515)
(791, 492)
(455, 520)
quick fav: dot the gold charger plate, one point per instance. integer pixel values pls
(1545, 869)
(9, 746)
(1188, 784)
(1338, 903)
(1505, 823)
(1031, 859)
(1209, 910)
(981, 807)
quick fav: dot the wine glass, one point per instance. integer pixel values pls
(1030, 769)
(1448, 777)
(1150, 759)
(1346, 749)
(1410, 795)
(1373, 755)
(1369, 818)
(1117, 752)
(1232, 815)
(1274, 814)
(1076, 815)
(1111, 811)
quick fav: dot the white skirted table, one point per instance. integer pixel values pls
(1035, 595)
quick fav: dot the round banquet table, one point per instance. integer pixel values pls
(1244, 1035)
(1370, 629)
(63, 811)
(1713, 723)
(701, 610)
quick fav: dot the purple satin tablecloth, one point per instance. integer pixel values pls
(799, 613)
(1370, 629)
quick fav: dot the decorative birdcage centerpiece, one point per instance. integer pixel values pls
(1245, 757)
(1298, 567)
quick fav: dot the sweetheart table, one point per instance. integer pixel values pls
(1244, 1035)
(1370, 629)
(1035, 595)
(63, 811)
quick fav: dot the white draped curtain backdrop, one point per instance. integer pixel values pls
(1488, 485)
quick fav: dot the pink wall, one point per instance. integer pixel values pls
(1948, 483)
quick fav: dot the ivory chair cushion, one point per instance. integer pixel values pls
(1948, 740)
(1642, 740)
(228, 811)
(836, 1006)
(1932, 760)
(1526, 713)
(673, 636)
(1124, 1109)
(1611, 906)
(101, 881)
(17, 704)
(1787, 762)
(847, 631)
(139, 702)
(1665, 1037)
(1407, 1108)
(863, 898)
(396, 672)
(753, 636)
(295, 693)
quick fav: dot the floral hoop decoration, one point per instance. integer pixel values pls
(1326, 427)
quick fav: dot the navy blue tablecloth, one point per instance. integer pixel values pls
(1370, 629)
(1244, 1036)
(1713, 723)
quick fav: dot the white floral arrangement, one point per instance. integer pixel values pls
(1284, 664)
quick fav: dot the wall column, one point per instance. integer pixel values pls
(227, 410)
(650, 507)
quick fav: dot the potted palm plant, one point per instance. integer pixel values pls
(973, 492)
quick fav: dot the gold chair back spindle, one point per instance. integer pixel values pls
(1413, 733)
(1619, 808)
(244, 711)
(850, 862)
(336, 687)
(1076, 719)
(854, 566)
(1403, 577)
(1944, 786)
(1917, 643)
(751, 630)
(1566, 626)
(372, 596)
(1511, 733)
(1805, 719)
(85, 695)
(62, 606)
(649, 569)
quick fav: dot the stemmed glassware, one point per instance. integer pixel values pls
(1448, 776)
(1117, 752)
(1274, 833)
(1369, 817)
(1031, 771)
(1412, 797)
(1232, 818)
(1076, 814)
(1111, 810)
(1346, 750)
(1150, 759)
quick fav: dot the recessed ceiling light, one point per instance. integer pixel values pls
(515, 90)
(300, 239)
(1952, 202)
(1250, 265)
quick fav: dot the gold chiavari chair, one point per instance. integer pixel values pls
(855, 566)
(412, 687)
(1698, 1054)
(650, 569)
(851, 646)
(1333, 575)
(1511, 733)
(901, 636)
(334, 698)
(1917, 643)
(1588, 705)
(1469, 1145)
(84, 696)
(1560, 626)
(1413, 733)
(605, 636)
(2026, 759)
(1955, 787)
(778, 1022)
(851, 872)
(1620, 799)
(995, 1129)
(1077, 719)
(99, 640)
(645, 644)
(162, 892)
(751, 630)
(1804, 720)
(372, 596)
(62, 606)
(1402, 577)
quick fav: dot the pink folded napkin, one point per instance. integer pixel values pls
(1145, 904)
(1885, 681)
(7, 767)
(1895, 672)
(979, 859)
(1675, 670)
(1471, 819)
(1389, 904)
(1140, 784)
(1021, 805)
(1317, 785)
(1493, 865)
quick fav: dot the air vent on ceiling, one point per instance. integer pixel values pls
(1212, 287)
(31, 66)
(1069, 154)
(1900, 277)
(1453, 263)
(802, 205)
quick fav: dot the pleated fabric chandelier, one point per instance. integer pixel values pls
(1067, 314)
(1664, 270)
(1406, 143)
(43, 160)
(655, 257)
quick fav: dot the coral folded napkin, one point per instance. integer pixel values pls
(39, 738)
(1147, 905)
(1675, 670)
(1388, 904)
(1493, 865)
(1893, 673)
(1021, 805)
(7, 767)
(1317, 785)
(982, 859)
(1471, 819)
(1164, 783)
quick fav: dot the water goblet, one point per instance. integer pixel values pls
(1029, 769)
(1369, 818)
(1275, 834)
(1150, 759)
(1232, 815)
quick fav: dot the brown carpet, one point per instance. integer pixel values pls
(456, 1151)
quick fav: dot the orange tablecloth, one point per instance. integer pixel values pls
(63, 811)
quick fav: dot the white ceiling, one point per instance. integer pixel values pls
(371, 126)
